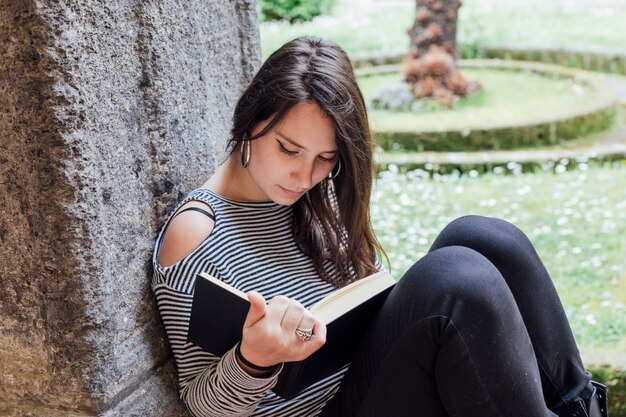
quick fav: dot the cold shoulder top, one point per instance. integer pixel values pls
(251, 247)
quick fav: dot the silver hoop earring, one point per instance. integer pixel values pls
(245, 153)
(331, 175)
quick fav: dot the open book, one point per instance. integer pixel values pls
(219, 311)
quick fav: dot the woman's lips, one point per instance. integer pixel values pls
(291, 193)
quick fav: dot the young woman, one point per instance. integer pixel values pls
(474, 328)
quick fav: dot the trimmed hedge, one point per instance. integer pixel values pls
(602, 60)
(541, 133)
(596, 59)
(482, 167)
(293, 10)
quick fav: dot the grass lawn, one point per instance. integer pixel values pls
(362, 26)
(576, 220)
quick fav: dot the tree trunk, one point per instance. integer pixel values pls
(431, 66)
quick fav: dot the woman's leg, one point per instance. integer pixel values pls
(449, 341)
(563, 375)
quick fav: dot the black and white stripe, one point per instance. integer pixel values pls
(250, 248)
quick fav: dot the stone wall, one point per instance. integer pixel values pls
(110, 112)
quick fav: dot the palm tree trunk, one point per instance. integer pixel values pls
(431, 66)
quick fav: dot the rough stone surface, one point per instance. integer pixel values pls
(110, 112)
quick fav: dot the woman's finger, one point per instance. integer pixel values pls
(293, 317)
(319, 333)
(306, 324)
(257, 308)
(276, 310)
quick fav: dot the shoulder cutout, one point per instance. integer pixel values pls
(185, 232)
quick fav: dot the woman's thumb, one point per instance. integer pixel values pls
(257, 308)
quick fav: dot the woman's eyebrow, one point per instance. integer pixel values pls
(296, 144)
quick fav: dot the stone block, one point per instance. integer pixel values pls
(111, 112)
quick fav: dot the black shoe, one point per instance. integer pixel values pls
(599, 404)
(596, 406)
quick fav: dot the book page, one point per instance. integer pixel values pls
(344, 299)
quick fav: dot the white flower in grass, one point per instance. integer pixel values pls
(576, 250)
(561, 221)
(405, 200)
(559, 169)
(608, 226)
(589, 318)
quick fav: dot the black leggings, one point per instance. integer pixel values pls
(474, 328)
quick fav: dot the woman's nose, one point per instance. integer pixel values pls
(304, 175)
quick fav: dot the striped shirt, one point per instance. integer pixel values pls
(251, 247)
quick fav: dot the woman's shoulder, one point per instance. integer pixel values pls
(190, 225)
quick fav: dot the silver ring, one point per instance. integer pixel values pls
(305, 335)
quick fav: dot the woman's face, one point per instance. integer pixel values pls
(294, 156)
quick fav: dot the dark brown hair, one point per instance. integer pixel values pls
(331, 221)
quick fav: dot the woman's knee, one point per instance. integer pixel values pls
(454, 273)
(487, 235)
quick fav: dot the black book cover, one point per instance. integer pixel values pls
(218, 315)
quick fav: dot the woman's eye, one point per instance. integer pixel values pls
(285, 150)
(328, 160)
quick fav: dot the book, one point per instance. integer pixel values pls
(219, 311)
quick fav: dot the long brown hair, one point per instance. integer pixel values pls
(331, 222)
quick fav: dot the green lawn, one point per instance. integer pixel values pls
(576, 220)
(362, 26)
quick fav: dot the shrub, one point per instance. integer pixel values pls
(293, 10)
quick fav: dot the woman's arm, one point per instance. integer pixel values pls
(209, 385)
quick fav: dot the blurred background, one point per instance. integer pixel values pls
(541, 143)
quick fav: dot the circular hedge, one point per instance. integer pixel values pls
(596, 114)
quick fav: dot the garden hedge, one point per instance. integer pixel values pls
(537, 134)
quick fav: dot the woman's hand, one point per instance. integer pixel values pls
(269, 333)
